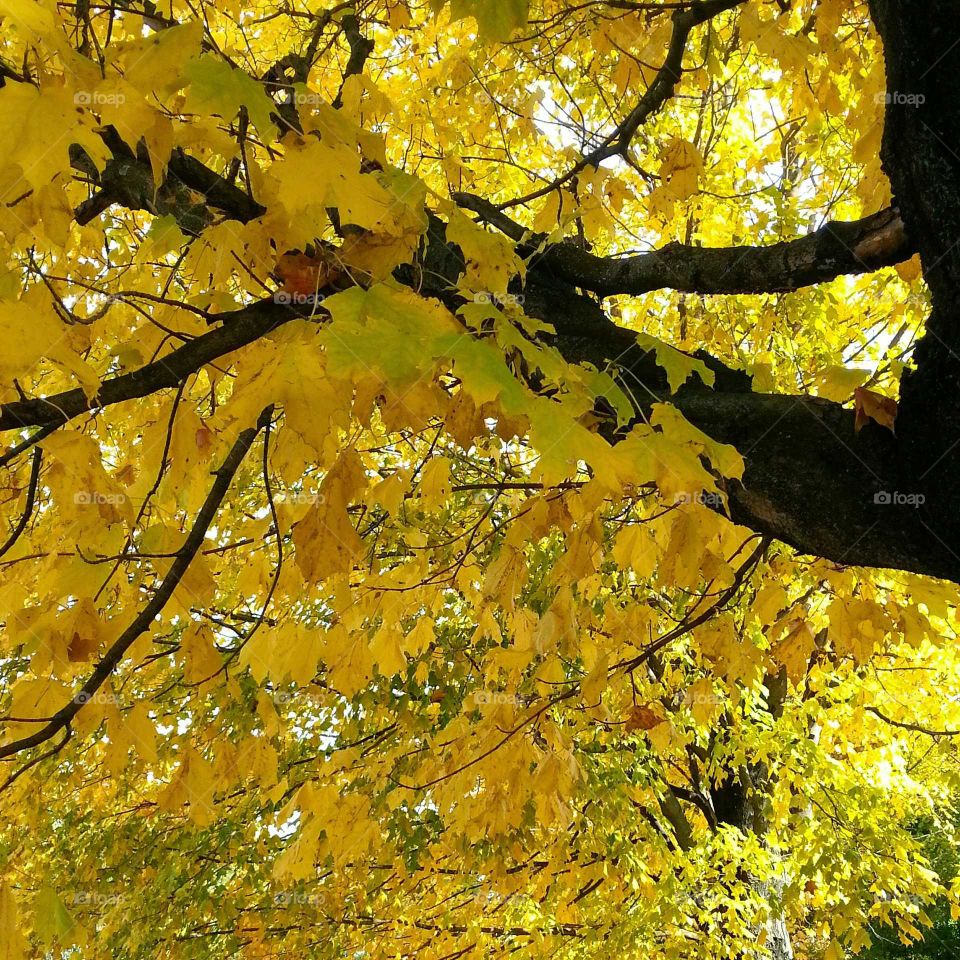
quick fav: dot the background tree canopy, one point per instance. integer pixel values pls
(479, 478)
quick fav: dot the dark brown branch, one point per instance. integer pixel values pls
(682, 629)
(360, 49)
(39, 758)
(219, 193)
(28, 507)
(668, 76)
(836, 249)
(26, 444)
(127, 180)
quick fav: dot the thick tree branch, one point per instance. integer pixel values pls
(811, 479)
(838, 248)
(829, 500)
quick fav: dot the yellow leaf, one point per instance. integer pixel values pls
(857, 627)
(30, 16)
(325, 539)
(794, 650)
(635, 548)
(681, 168)
(837, 382)
(192, 785)
(316, 176)
(348, 658)
(420, 637)
(435, 482)
(201, 661)
(703, 702)
(491, 261)
(770, 600)
(13, 946)
(142, 732)
(84, 630)
(870, 405)
(26, 116)
(909, 270)
(593, 685)
(678, 366)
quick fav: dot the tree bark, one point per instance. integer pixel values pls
(921, 156)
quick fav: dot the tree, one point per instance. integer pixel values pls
(396, 561)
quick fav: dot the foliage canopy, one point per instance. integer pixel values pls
(445, 483)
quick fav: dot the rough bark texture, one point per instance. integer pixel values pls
(920, 155)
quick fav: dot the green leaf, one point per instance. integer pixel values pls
(723, 456)
(52, 920)
(216, 87)
(496, 19)
(392, 331)
(678, 366)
